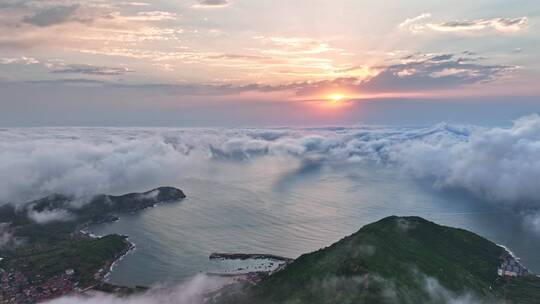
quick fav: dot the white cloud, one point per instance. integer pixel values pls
(20, 60)
(413, 24)
(496, 164)
(82, 25)
(278, 45)
(152, 16)
(191, 292)
(500, 165)
(196, 290)
(62, 68)
(421, 24)
(439, 294)
(84, 168)
(7, 239)
(134, 3)
(48, 216)
(497, 24)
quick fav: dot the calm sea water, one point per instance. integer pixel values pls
(287, 207)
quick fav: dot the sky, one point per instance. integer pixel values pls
(267, 62)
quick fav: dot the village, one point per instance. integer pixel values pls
(17, 288)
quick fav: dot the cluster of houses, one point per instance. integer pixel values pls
(17, 288)
(511, 267)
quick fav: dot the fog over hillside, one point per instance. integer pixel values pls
(186, 293)
(192, 293)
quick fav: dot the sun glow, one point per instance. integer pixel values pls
(337, 97)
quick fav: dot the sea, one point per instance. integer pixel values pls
(289, 206)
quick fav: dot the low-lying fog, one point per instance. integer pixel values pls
(283, 191)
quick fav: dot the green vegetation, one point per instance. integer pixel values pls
(520, 290)
(75, 215)
(396, 260)
(85, 256)
(48, 255)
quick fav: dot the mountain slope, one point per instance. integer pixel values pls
(395, 260)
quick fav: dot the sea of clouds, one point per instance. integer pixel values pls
(499, 165)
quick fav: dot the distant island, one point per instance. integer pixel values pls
(396, 260)
(48, 254)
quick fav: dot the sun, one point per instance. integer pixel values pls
(336, 97)
(334, 100)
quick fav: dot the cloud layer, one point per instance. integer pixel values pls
(499, 165)
(496, 164)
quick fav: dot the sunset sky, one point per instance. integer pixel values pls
(267, 62)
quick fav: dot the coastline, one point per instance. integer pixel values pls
(103, 274)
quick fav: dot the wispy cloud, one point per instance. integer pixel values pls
(431, 72)
(212, 3)
(52, 16)
(424, 23)
(191, 292)
(48, 216)
(19, 60)
(82, 25)
(413, 73)
(205, 47)
(89, 70)
(134, 3)
(497, 24)
(7, 239)
(293, 45)
(153, 16)
(414, 24)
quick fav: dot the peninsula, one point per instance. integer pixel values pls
(47, 254)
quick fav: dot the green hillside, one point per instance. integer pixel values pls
(46, 257)
(397, 260)
(98, 209)
(84, 256)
